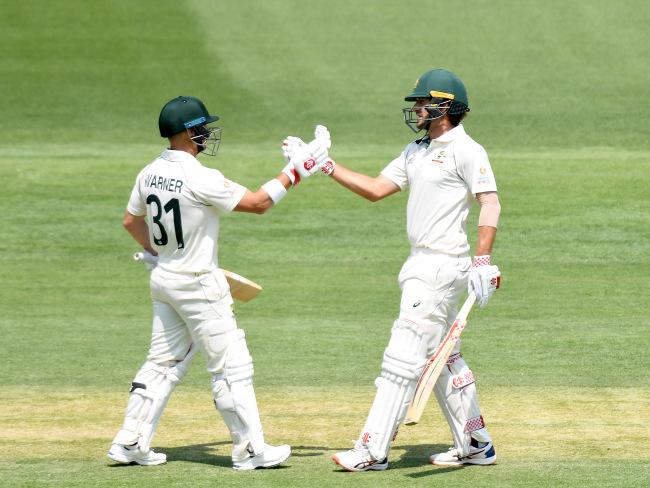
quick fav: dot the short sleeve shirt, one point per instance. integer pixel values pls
(183, 201)
(443, 176)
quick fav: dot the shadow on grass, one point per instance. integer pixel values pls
(196, 453)
(205, 453)
(199, 453)
(415, 456)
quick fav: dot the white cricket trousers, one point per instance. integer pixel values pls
(432, 285)
(189, 307)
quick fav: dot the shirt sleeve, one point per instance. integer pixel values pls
(396, 171)
(475, 169)
(136, 205)
(214, 189)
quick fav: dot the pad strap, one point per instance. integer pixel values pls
(453, 358)
(475, 423)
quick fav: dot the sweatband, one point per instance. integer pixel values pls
(275, 189)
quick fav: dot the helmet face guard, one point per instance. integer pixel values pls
(436, 108)
(207, 139)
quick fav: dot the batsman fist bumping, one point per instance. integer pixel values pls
(174, 213)
(445, 171)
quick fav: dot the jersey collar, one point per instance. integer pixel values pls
(451, 135)
(177, 156)
(446, 138)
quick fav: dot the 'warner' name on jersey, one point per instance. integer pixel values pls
(162, 183)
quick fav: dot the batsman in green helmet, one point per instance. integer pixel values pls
(444, 171)
(174, 213)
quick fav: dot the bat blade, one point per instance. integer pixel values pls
(241, 288)
(436, 362)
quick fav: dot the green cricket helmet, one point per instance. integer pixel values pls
(190, 114)
(446, 92)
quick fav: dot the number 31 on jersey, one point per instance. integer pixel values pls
(173, 206)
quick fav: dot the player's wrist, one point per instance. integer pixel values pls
(151, 251)
(292, 174)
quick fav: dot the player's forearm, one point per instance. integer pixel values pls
(266, 197)
(486, 237)
(363, 185)
(137, 227)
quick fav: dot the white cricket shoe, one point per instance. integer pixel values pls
(359, 459)
(271, 456)
(132, 454)
(479, 453)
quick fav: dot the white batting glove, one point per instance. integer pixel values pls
(307, 159)
(322, 143)
(302, 160)
(303, 157)
(149, 260)
(322, 135)
(290, 144)
(484, 279)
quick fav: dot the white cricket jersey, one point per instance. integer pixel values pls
(183, 201)
(443, 176)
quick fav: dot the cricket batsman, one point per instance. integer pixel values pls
(174, 212)
(445, 171)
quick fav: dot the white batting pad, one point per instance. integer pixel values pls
(458, 399)
(150, 391)
(234, 397)
(401, 367)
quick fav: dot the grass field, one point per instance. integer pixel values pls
(558, 95)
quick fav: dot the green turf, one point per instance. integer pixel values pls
(558, 96)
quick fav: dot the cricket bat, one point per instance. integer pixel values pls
(436, 362)
(241, 288)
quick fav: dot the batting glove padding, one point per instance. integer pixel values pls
(484, 279)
